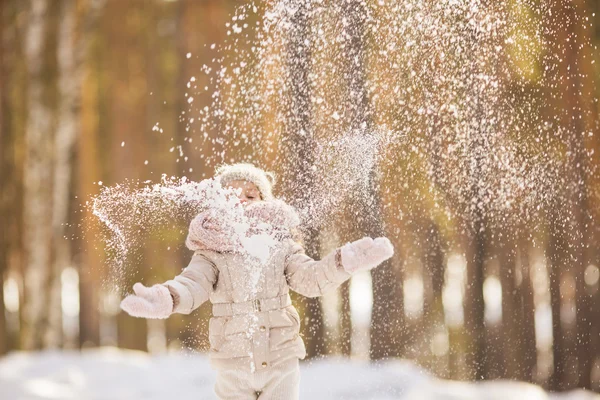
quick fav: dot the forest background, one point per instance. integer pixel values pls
(94, 93)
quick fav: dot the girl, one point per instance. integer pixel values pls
(245, 263)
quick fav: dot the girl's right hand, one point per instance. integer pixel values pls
(148, 302)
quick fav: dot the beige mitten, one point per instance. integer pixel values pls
(148, 302)
(366, 253)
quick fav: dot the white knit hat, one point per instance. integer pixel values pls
(263, 180)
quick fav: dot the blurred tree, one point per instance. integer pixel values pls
(14, 58)
(143, 49)
(385, 285)
(78, 20)
(38, 180)
(528, 344)
(476, 226)
(556, 252)
(580, 91)
(6, 162)
(126, 25)
(299, 148)
(571, 222)
(50, 138)
(194, 38)
(474, 305)
(88, 173)
(434, 268)
(506, 248)
(71, 50)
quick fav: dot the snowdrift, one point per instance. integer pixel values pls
(115, 374)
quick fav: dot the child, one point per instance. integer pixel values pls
(246, 268)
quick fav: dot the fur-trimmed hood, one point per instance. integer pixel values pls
(263, 180)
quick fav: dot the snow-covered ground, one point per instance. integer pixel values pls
(113, 374)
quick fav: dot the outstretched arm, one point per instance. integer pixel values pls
(313, 278)
(182, 294)
(194, 285)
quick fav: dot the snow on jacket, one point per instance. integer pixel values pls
(254, 324)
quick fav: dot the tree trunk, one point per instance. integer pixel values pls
(385, 310)
(511, 316)
(314, 330)
(64, 141)
(473, 302)
(433, 263)
(192, 37)
(345, 324)
(568, 40)
(477, 220)
(527, 329)
(555, 252)
(6, 172)
(434, 268)
(129, 124)
(38, 184)
(14, 128)
(195, 37)
(90, 261)
(589, 95)
(581, 217)
(299, 152)
(348, 234)
(72, 49)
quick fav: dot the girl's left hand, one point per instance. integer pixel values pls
(366, 253)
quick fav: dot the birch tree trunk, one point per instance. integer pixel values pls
(72, 47)
(69, 90)
(37, 184)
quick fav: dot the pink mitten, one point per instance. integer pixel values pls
(366, 253)
(148, 302)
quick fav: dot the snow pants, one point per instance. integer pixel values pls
(277, 383)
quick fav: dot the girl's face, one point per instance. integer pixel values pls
(248, 192)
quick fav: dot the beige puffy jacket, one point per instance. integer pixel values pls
(254, 324)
